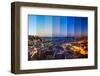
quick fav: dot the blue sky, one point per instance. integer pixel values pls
(57, 26)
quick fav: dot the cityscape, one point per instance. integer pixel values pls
(57, 37)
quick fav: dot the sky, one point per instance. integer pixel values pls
(57, 26)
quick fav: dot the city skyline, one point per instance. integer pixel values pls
(57, 26)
